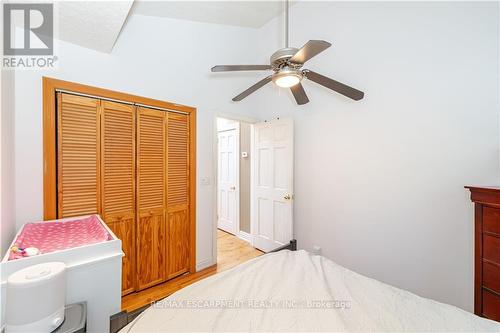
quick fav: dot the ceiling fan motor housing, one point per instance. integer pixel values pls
(280, 58)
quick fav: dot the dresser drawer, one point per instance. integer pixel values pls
(491, 248)
(491, 220)
(491, 305)
(491, 276)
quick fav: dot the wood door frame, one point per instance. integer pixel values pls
(49, 91)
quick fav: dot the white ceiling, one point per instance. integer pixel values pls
(240, 13)
(97, 24)
(92, 24)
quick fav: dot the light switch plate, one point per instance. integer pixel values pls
(205, 181)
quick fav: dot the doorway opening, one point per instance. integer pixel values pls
(234, 243)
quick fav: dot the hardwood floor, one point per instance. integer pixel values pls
(231, 251)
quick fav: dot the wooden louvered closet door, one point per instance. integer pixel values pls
(178, 193)
(78, 153)
(130, 165)
(151, 184)
(118, 181)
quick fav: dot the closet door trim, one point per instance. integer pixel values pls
(50, 86)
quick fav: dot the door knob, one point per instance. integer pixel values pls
(232, 188)
(287, 197)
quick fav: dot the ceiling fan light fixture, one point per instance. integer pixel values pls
(287, 78)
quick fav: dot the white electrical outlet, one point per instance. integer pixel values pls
(316, 250)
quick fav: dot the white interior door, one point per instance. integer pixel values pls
(228, 201)
(272, 184)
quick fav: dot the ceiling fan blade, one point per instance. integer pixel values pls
(309, 50)
(299, 93)
(253, 88)
(232, 68)
(341, 88)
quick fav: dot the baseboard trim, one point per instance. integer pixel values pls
(245, 236)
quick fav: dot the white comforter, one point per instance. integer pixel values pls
(299, 292)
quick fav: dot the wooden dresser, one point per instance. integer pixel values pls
(486, 251)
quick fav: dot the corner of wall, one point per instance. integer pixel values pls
(7, 202)
(202, 264)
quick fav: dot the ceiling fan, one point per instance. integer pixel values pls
(286, 63)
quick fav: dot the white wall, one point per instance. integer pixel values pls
(379, 183)
(7, 216)
(154, 57)
(245, 175)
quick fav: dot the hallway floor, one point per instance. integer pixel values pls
(232, 251)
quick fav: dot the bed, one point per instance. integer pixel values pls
(295, 291)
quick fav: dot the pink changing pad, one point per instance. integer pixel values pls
(60, 235)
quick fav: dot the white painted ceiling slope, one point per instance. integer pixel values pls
(92, 24)
(239, 13)
(97, 24)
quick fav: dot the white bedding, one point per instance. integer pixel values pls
(347, 302)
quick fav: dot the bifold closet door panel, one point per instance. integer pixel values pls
(78, 152)
(151, 184)
(118, 181)
(178, 194)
